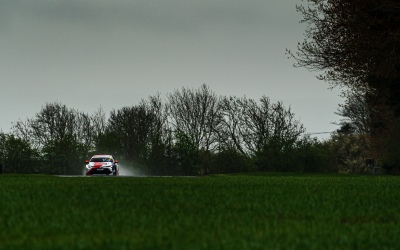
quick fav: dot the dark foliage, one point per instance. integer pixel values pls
(17, 155)
(356, 43)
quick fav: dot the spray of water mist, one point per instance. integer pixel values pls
(84, 169)
(128, 171)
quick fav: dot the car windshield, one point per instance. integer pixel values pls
(101, 160)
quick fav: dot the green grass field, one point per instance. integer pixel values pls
(216, 212)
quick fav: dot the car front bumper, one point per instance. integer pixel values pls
(99, 171)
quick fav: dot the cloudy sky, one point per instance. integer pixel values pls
(91, 53)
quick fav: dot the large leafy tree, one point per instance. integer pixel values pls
(352, 41)
(356, 45)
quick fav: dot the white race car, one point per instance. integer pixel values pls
(102, 165)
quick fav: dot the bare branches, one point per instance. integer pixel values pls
(356, 111)
(135, 129)
(249, 127)
(350, 40)
(196, 113)
(56, 122)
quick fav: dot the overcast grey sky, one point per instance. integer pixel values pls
(91, 53)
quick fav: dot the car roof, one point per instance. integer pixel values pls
(102, 156)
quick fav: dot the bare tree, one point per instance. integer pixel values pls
(195, 113)
(355, 112)
(159, 110)
(250, 126)
(137, 128)
(56, 122)
(22, 130)
(63, 136)
(231, 129)
(98, 126)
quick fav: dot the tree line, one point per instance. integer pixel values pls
(190, 132)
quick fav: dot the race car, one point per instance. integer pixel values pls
(102, 165)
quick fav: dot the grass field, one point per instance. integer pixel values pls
(216, 212)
